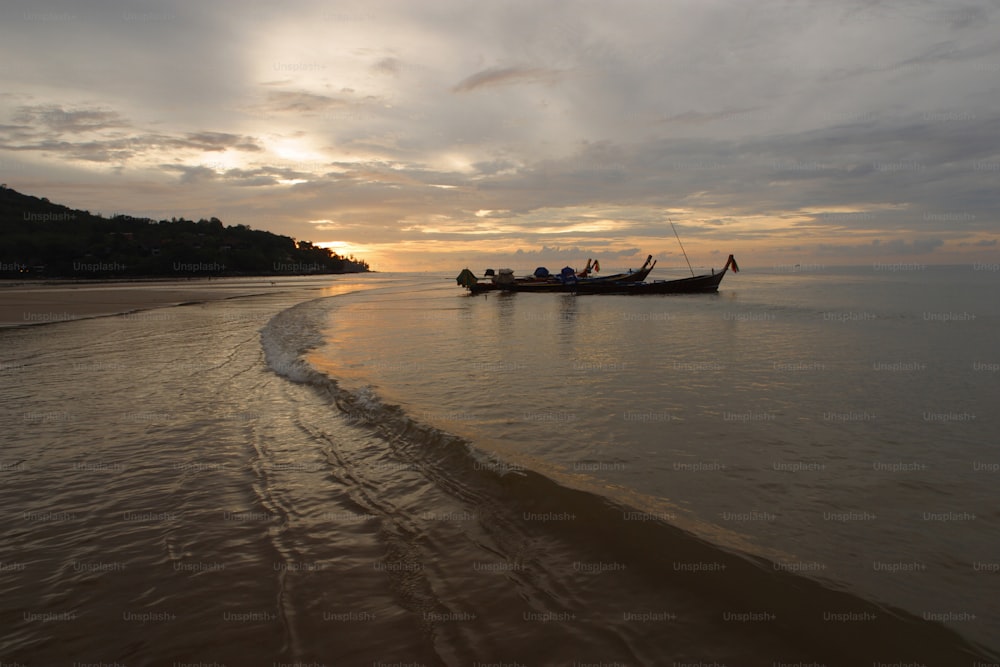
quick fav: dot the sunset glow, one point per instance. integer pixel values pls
(476, 137)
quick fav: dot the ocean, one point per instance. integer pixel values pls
(382, 470)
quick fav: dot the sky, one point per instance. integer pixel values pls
(441, 134)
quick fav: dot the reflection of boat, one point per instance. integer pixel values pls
(543, 281)
(692, 285)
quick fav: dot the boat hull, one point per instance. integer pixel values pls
(692, 285)
(475, 285)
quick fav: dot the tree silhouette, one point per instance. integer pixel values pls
(42, 239)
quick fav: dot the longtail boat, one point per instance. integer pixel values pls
(542, 281)
(692, 285)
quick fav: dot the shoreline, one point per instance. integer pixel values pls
(6, 283)
(48, 303)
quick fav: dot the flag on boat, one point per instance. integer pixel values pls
(597, 266)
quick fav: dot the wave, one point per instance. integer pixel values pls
(786, 596)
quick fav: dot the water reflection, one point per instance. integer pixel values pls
(506, 308)
(567, 326)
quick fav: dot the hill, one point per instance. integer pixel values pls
(39, 239)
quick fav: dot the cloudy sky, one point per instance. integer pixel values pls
(445, 133)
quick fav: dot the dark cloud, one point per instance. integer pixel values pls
(69, 121)
(114, 150)
(258, 177)
(192, 174)
(263, 176)
(117, 149)
(214, 141)
(112, 138)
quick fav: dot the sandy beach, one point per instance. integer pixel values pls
(24, 304)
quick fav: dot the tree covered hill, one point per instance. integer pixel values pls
(39, 239)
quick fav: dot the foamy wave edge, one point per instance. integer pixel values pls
(293, 332)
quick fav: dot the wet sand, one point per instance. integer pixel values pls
(41, 303)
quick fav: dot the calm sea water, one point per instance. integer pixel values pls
(801, 468)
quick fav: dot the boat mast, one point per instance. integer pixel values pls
(682, 246)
